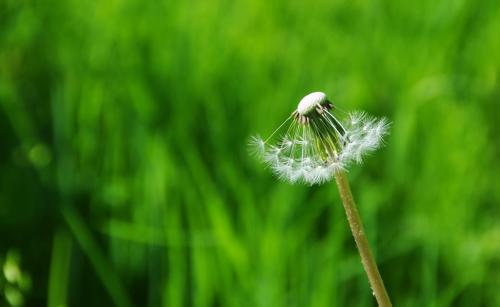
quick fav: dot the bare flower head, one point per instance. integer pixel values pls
(313, 144)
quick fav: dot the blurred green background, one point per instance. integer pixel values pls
(125, 178)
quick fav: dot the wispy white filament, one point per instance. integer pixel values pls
(312, 150)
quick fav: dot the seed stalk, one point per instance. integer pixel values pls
(358, 232)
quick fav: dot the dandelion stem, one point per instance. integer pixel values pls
(369, 264)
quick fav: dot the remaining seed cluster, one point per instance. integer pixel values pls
(316, 145)
(321, 125)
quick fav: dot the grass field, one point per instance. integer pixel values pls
(125, 178)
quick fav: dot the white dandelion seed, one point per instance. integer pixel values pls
(315, 145)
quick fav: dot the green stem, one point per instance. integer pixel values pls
(369, 264)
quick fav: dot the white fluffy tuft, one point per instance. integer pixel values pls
(365, 135)
(257, 146)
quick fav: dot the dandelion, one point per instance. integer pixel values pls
(314, 147)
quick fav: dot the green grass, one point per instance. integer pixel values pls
(124, 173)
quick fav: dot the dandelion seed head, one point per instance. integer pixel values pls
(314, 144)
